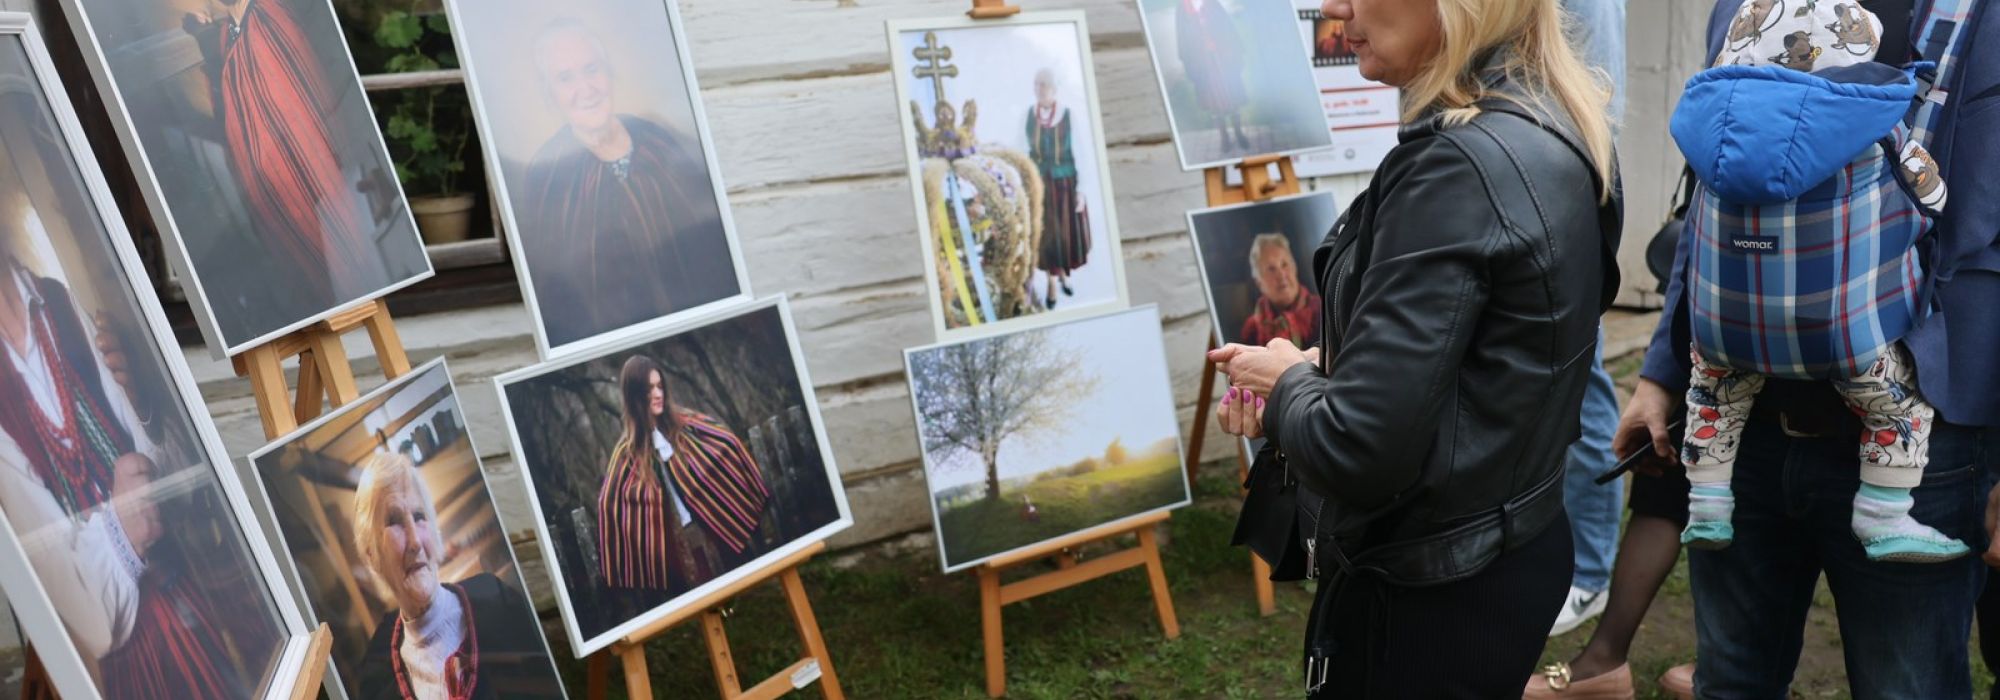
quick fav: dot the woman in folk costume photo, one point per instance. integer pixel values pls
(682, 501)
(273, 99)
(475, 638)
(76, 466)
(1065, 220)
(1212, 55)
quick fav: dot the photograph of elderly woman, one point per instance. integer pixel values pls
(661, 467)
(1007, 161)
(1255, 261)
(1238, 79)
(394, 540)
(594, 132)
(1039, 433)
(104, 477)
(270, 169)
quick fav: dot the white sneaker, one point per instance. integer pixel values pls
(1579, 607)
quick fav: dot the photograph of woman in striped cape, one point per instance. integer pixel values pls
(664, 468)
(682, 498)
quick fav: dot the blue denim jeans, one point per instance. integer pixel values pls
(1594, 511)
(1904, 628)
(1600, 37)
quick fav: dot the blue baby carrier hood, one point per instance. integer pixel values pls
(1767, 134)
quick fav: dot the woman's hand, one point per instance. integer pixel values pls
(1257, 369)
(1241, 413)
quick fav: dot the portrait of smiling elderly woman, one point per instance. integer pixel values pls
(620, 219)
(1285, 308)
(1462, 295)
(475, 638)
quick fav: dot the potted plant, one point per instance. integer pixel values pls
(428, 128)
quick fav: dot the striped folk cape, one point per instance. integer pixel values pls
(275, 100)
(717, 481)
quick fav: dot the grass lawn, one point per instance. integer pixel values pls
(981, 528)
(899, 629)
(896, 628)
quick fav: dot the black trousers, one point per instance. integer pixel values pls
(1478, 638)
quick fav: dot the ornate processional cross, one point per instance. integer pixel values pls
(933, 68)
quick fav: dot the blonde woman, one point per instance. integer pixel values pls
(473, 639)
(1462, 293)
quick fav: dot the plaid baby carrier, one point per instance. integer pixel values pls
(1815, 189)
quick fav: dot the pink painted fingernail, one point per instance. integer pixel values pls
(1260, 403)
(1231, 396)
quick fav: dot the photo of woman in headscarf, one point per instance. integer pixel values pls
(682, 500)
(459, 640)
(1065, 218)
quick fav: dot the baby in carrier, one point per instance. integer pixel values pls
(1802, 260)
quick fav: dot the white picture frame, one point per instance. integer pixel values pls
(335, 678)
(902, 63)
(469, 44)
(1148, 312)
(109, 84)
(33, 607)
(584, 643)
(1302, 78)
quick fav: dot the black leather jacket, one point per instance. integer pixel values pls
(1463, 291)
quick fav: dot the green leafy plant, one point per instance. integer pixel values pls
(428, 128)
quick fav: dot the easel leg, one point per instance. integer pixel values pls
(388, 343)
(718, 654)
(331, 358)
(809, 635)
(599, 667)
(1162, 599)
(1267, 595)
(267, 383)
(989, 618)
(1203, 400)
(312, 392)
(638, 685)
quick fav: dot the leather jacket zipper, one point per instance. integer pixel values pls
(1312, 554)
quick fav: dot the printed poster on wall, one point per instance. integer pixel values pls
(1361, 112)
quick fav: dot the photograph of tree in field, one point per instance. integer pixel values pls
(1036, 434)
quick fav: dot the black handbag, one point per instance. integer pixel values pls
(1269, 523)
(1660, 251)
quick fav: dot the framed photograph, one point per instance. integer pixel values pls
(593, 127)
(1364, 115)
(393, 540)
(1256, 266)
(127, 546)
(1007, 171)
(1039, 433)
(670, 466)
(1234, 88)
(258, 157)
(1256, 269)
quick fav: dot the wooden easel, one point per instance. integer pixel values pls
(992, 9)
(325, 377)
(1069, 572)
(1257, 186)
(631, 649)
